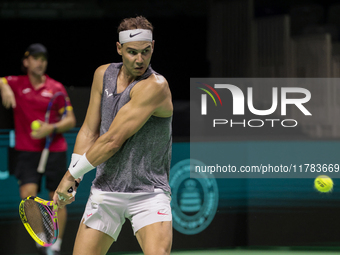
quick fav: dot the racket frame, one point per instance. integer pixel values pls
(52, 213)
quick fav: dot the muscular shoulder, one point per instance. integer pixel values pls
(155, 91)
(154, 84)
(159, 80)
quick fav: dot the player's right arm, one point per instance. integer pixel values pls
(89, 131)
(7, 95)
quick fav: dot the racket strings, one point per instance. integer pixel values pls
(39, 218)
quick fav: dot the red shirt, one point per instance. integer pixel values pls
(31, 105)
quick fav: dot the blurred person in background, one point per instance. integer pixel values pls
(29, 96)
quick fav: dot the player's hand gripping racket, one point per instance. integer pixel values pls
(46, 151)
(70, 190)
(40, 219)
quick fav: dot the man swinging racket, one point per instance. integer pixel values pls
(127, 136)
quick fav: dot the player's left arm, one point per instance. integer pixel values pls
(150, 97)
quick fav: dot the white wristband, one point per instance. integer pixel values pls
(75, 158)
(81, 167)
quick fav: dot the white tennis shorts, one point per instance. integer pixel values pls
(107, 211)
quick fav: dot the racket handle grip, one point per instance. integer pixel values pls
(43, 161)
(70, 190)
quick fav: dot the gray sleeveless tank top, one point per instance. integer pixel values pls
(143, 162)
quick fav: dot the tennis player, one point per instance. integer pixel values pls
(127, 136)
(29, 96)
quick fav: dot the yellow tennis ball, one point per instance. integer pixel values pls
(35, 125)
(323, 183)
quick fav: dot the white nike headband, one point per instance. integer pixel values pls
(135, 35)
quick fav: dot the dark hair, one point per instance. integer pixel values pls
(134, 23)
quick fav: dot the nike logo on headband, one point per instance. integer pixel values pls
(131, 35)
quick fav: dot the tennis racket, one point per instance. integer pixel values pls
(46, 151)
(40, 219)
